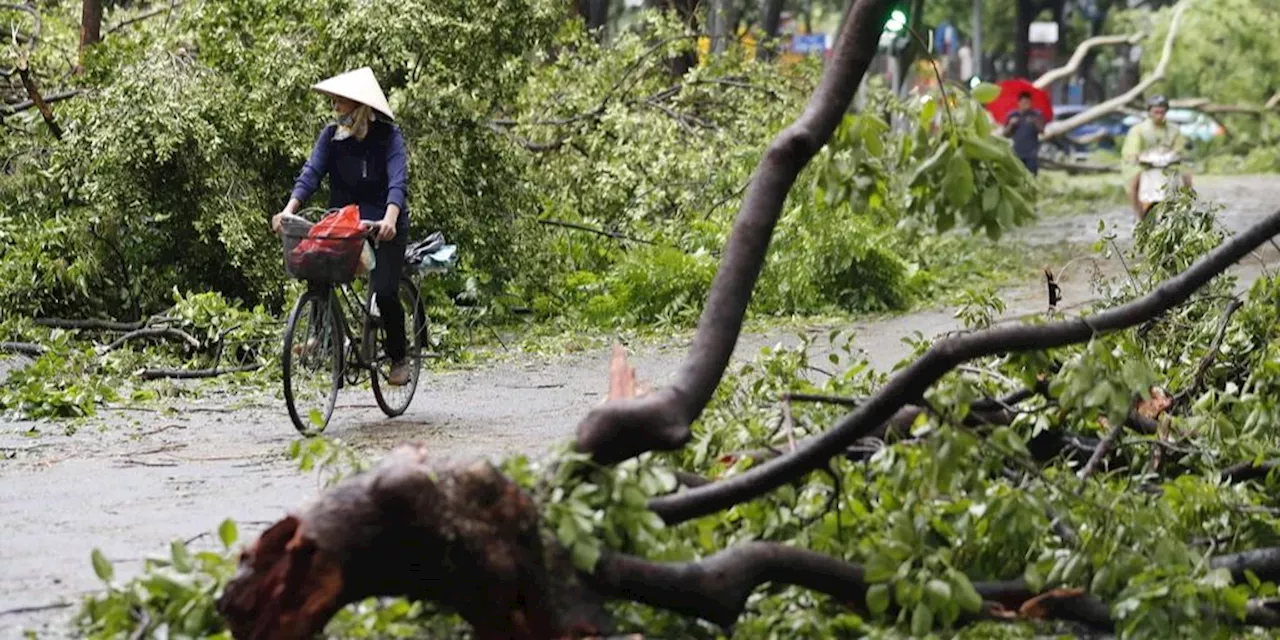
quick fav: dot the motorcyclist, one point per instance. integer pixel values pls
(1154, 132)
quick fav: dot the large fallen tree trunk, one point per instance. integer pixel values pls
(1057, 128)
(469, 538)
(1053, 75)
(623, 429)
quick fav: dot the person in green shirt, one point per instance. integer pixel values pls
(1156, 131)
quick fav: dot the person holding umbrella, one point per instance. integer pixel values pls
(1025, 126)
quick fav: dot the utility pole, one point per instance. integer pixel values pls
(977, 38)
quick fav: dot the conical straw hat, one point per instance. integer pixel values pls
(359, 85)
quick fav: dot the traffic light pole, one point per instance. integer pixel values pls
(977, 38)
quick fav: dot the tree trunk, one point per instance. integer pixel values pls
(687, 10)
(770, 21)
(721, 21)
(1027, 9)
(913, 49)
(90, 25)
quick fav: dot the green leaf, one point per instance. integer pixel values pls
(181, 556)
(1237, 601)
(938, 592)
(228, 533)
(1101, 580)
(921, 620)
(1099, 395)
(958, 184)
(990, 199)
(101, 566)
(878, 598)
(316, 417)
(586, 552)
(927, 112)
(985, 92)
(966, 596)
(881, 568)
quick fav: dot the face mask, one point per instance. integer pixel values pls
(344, 126)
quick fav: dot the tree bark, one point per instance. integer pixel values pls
(623, 429)
(465, 537)
(911, 382)
(33, 94)
(770, 22)
(90, 26)
(1086, 49)
(1057, 128)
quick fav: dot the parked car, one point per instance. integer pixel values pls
(1106, 132)
(1196, 126)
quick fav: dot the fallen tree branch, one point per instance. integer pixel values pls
(24, 348)
(600, 232)
(622, 429)
(33, 93)
(1053, 75)
(912, 381)
(192, 374)
(1249, 471)
(1055, 129)
(154, 332)
(1211, 354)
(1264, 563)
(103, 325)
(1101, 452)
(158, 11)
(466, 537)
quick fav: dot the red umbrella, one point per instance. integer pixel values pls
(1007, 101)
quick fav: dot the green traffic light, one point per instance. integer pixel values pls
(897, 21)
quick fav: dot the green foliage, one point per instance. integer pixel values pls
(55, 384)
(1209, 33)
(79, 371)
(331, 458)
(172, 597)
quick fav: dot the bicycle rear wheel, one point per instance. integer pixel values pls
(312, 360)
(395, 399)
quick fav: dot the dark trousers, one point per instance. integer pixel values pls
(386, 289)
(1032, 164)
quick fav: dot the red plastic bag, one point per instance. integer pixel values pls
(331, 251)
(333, 231)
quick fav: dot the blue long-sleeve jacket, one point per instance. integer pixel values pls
(371, 173)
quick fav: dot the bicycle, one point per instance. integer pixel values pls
(319, 340)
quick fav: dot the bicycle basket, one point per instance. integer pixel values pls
(322, 258)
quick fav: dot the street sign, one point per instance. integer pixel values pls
(945, 38)
(803, 43)
(1043, 33)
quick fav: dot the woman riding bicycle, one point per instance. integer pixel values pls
(364, 157)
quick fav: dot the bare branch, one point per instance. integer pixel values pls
(8, 110)
(1055, 129)
(105, 325)
(1053, 75)
(155, 332)
(912, 381)
(1212, 353)
(1249, 471)
(33, 92)
(158, 11)
(193, 374)
(1101, 451)
(622, 429)
(24, 348)
(601, 232)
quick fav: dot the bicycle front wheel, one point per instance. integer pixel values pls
(312, 359)
(394, 399)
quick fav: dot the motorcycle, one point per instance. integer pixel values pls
(1159, 178)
